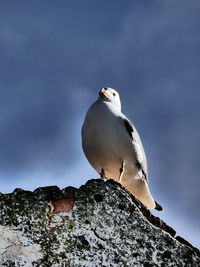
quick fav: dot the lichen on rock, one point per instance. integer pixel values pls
(100, 224)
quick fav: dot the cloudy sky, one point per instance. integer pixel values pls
(54, 58)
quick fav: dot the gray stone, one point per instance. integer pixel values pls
(99, 224)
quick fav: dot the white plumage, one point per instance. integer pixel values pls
(113, 147)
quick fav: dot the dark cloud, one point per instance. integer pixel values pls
(54, 59)
(45, 50)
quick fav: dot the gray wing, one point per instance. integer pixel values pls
(141, 161)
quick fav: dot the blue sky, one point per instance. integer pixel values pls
(55, 56)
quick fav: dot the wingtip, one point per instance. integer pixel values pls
(158, 207)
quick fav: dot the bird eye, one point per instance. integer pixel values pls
(114, 94)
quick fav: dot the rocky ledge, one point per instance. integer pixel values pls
(99, 224)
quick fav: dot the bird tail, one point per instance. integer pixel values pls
(158, 207)
(139, 188)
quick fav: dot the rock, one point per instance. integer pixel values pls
(99, 224)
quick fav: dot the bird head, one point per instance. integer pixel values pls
(110, 95)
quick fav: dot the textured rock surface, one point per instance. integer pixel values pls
(98, 225)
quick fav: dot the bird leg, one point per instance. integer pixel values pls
(102, 174)
(121, 172)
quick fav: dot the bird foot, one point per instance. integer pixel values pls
(121, 172)
(102, 174)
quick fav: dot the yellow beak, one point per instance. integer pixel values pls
(104, 92)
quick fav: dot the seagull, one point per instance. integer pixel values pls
(113, 147)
